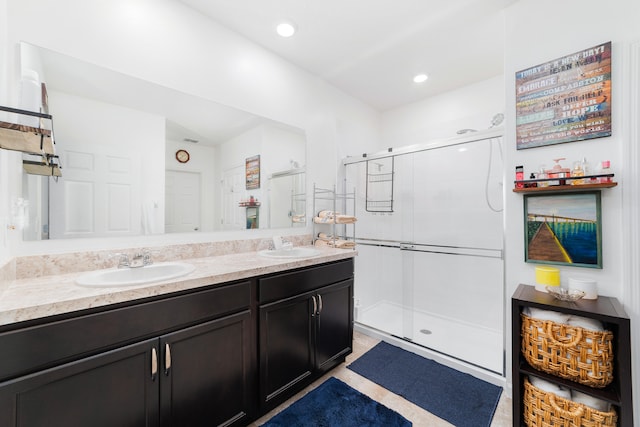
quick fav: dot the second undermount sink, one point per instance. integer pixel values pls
(290, 252)
(135, 276)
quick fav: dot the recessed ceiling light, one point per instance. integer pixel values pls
(420, 78)
(286, 29)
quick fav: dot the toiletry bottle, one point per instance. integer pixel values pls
(606, 164)
(586, 167)
(542, 175)
(519, 176)
(577, 172)
(557, 171)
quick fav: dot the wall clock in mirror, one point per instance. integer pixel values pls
(182, 156)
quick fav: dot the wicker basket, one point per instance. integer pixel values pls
(569, 352)
(544, 409)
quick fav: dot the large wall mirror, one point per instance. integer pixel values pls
(138, 158)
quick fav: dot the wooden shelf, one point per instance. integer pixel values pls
(567, 186)
(26, 139)
(17, 137)
(552, 188)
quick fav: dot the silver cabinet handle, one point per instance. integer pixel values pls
(167, 358)
(154, 363)
(315, 305)
(319, 304)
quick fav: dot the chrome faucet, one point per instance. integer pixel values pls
(123, 260)
(141, 259)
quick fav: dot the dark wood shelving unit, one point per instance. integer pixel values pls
(610, 312)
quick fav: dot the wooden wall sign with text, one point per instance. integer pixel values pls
(565, 100)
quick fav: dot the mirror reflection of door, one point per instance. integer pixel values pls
(98, 195)
(182, 196)
(233, 191)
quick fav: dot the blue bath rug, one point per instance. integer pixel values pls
(459, 398)
(335, 404)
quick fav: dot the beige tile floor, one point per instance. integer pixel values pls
(418, 416)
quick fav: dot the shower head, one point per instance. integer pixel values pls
(496, 120)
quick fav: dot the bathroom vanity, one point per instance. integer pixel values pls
(222, 353)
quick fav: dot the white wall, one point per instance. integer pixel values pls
(167, 43)
(281, 147)
(441, 116)
(542, 30)
(234, 153)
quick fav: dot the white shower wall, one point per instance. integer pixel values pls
(431, 272)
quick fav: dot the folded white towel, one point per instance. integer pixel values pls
(559, 391)
(337, 243)
(540, 314)
(590, 401)
(299, 218)
(329, 217)
(327, 214)
(586, 323)
(340, 219)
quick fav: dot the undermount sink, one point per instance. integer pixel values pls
(302, 252)
(135, 276)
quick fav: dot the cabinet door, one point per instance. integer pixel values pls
(115, 388)
(334, 323)
(206, 374)
(286, 353)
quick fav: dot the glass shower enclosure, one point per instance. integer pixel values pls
(430, 267)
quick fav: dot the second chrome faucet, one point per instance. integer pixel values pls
(139, 259)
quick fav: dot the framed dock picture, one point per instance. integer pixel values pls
(564, 100)
(563, 229)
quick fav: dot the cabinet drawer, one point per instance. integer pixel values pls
(290, 284)
(37, 347)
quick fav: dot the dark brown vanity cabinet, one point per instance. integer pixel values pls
(205, 374)
(185, 360)
(305, 327)
(215, 356)
(113, 388)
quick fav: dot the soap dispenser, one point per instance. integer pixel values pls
(557, 171)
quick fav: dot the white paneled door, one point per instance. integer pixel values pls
(97, 196)
(182, 201)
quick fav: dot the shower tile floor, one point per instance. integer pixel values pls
(418, 416)
(474, 344)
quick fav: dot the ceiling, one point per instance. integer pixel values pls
(371, 49)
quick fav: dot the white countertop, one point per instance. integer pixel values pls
(33, 298)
